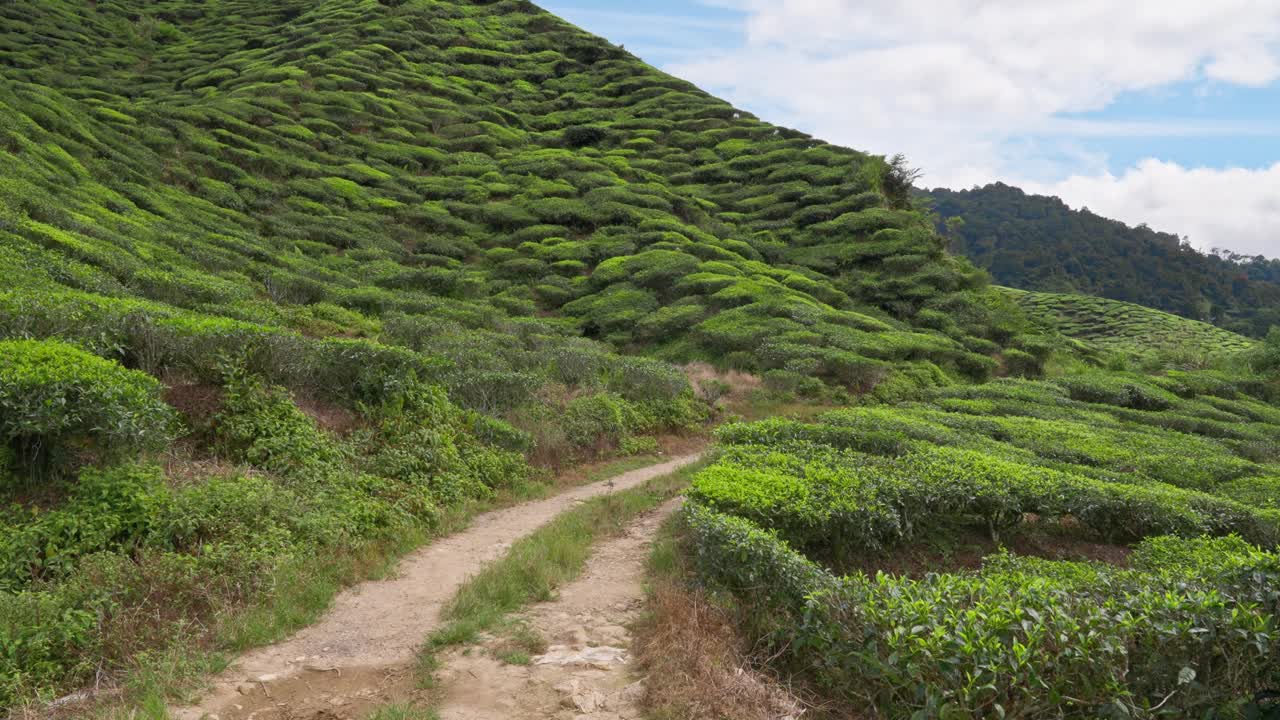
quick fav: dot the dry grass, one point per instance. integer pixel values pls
(710, 676)
(733, 386)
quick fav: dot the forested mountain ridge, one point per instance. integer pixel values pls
(1036, 242)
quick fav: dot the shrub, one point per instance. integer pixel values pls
(1117, 390)
(261, 425)
(491, 391)
(594, 419)
(57, 402)
(584, 135)
(1037, 638)
(500, 433)
(642, 445)
(640, 379)
(1266, 358)
(108, 511)
(874, 503)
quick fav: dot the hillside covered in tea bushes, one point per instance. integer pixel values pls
(1098, 545)
(345, 168)
(287, 279)
(292, 287)
(1128, 329)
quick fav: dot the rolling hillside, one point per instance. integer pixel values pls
(1038, 243)
(295, 287)
(322, 168)
(288, 279)
(1130, 328)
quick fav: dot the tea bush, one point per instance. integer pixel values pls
(884, 502)
(1167, 464)
(57, 402)
(1023, 637)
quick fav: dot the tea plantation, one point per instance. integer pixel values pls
(290, 286)
(1128, 328)
(1130, 524)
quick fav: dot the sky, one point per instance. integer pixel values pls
(1164, 112)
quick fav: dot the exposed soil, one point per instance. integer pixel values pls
(328, 416)
(195, 401)
(585, 671)
(362, 651)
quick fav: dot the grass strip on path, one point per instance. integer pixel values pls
(536, 565)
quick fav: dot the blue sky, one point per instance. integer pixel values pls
(1165, 112)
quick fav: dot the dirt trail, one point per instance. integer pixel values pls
(584, 673)
(370, 636)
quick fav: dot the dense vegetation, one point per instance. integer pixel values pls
(290, 282)
(1128, 329)
(1142, 511)
(1035, 242)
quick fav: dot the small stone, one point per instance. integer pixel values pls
(633, 693)
(244, 688)
(612, 635)
(574, 637)
(269, 677)
(588, 700)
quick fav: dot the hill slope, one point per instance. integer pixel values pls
(1132, 329)
(248, 244)
(1038, 243)
(318, 166)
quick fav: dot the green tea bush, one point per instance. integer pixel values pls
(1111, 389)
(594, 419)
(58, 402)
(44, 639)
(1021, 638)
(262, 426)
(420, 439)
(887, 501)
(107, 511)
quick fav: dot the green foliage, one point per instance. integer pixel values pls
(1159, 462)
(1266, 359)
(262, 426)
(1038, 243)
(1131, 329)
(57, 401)
(595, 419)
(1191, 636)
(107, 511)
(438, 223)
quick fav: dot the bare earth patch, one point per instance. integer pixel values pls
(585, 670)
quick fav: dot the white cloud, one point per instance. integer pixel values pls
(1207, 205)
(977, 90)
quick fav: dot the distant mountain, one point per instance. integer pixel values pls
(1036, 242)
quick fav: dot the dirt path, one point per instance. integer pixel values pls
(370, 636)
(583, 673)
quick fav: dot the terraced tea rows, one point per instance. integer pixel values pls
(350, 167)
(1130, 328)
(1141, 516)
